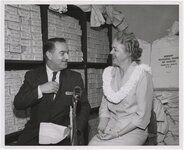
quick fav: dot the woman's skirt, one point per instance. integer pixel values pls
(135, 137)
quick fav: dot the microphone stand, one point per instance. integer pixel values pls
(73, 133)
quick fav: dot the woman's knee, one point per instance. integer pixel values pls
(94, 141)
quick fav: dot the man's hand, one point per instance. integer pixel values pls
(67, 132)
(49, 87)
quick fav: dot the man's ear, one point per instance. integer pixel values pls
(49, 55)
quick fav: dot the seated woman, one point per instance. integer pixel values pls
(128, 92)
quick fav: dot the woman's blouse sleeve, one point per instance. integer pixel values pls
(144, 98)
(103, 110)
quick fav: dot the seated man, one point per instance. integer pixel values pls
(45, 90)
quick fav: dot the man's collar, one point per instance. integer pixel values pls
(49, 71)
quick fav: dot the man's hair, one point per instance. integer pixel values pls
(50, 44)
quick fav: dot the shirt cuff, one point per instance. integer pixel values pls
(40, 95)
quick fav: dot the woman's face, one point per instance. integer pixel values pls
(118, 52)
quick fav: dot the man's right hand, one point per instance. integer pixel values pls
(49, 87)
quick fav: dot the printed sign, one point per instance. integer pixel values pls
(165, 62)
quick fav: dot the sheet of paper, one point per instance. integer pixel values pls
(51, 133)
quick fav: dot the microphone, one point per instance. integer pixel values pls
(77, 92)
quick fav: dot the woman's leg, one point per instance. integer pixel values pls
(95, 141)
(132, 138)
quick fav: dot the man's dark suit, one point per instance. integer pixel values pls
(47, 110)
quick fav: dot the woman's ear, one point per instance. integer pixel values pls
(49, 55)
(129, 54)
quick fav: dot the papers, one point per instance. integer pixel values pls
(51, 133)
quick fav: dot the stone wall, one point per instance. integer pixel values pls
(170, 101)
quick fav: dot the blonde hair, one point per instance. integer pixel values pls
(131, 44)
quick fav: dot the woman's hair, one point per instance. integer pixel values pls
(131, 44)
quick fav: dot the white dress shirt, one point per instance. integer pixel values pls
(49, 77)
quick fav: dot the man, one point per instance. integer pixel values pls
(45, 90)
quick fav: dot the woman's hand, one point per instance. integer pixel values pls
(100, 132)
(109, 135)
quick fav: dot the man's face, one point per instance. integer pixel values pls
(59, 56)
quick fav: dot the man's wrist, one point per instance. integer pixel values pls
(40, 94)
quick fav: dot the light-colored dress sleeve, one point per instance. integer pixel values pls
(103, 110)
(144, 97)
(103, 114)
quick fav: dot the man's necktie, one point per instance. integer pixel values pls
(54, 76)
(53, 79)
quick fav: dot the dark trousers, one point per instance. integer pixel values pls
(34, 142)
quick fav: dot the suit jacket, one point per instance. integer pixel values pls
(47, 110)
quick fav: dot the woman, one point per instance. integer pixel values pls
(128, 92)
